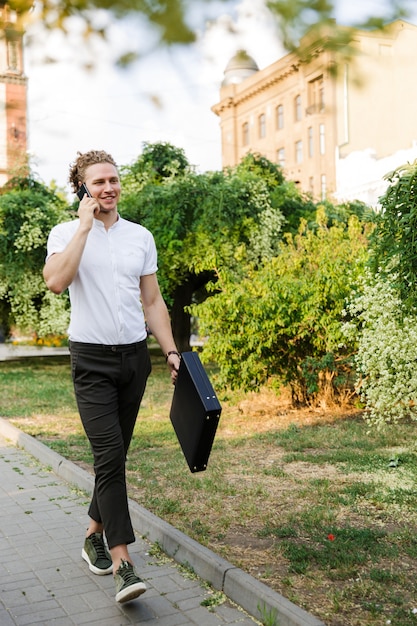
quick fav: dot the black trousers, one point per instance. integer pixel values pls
(109, 383)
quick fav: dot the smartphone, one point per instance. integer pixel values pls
(82, 191)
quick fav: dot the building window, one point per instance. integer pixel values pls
(281, 157)
(280, 117)
(323, 187)
(245, 134)
(322, 139)
(315, 94)
(310, 142)
(297, 108)
(311, 185)
(298, 151)
(262, 126)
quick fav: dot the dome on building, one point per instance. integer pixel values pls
(240, 66)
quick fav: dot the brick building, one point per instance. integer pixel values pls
(13, 90)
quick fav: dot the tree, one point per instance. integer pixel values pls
(162, 160)
(202, 222)
(281, 322)
(28, 211)
(394, 241)
(383, 313)
(179, 21)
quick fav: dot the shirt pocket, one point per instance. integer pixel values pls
(132, 262)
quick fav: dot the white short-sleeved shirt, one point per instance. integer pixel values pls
(105, 293)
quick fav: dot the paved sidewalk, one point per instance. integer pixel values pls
(43, 579)
(9, 352)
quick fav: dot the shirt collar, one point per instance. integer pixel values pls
(99, 224)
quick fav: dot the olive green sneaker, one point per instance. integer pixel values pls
(128, 584)
(96, 554)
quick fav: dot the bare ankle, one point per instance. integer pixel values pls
(118, 554)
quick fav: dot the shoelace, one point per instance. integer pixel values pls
(99, 546)
(127, 573)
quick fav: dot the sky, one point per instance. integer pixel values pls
(166, 95)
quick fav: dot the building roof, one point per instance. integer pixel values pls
(240, 67)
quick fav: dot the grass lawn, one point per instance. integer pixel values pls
(310, 502)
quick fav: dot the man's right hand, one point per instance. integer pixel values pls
(87, 210)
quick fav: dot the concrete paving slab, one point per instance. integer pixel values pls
(10, 352)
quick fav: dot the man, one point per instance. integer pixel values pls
(109, 266)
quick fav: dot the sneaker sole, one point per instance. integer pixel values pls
(131, 592)
(93, 568)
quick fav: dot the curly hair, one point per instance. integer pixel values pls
(83, 161)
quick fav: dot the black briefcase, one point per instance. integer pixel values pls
(195, 411)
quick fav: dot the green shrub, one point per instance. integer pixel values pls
(386, 358)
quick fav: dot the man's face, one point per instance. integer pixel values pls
(102, 181)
